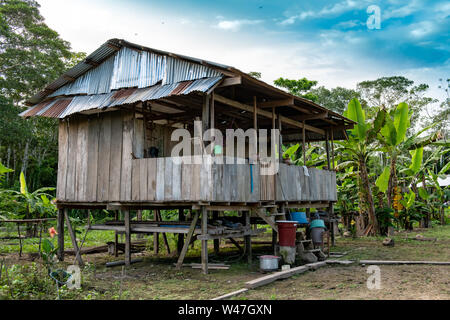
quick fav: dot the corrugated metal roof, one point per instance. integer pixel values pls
(130, 68)
(63, 107)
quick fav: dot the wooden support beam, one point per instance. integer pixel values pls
(60, 230)
(332, 148)
(166, 243)
(266, 114)
(180, 235)
(255, 113)
(230, 82)
(216, 241)
(205, 113)
(313, 116)
(248, 239)
(127, 237)
(236, 244)
(204, 242)
(332, 222)
(155, 234)
(276, 103)
(187, 241)
(261, 213)
(73, 237)
(327, 148)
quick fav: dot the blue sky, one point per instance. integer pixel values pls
(328, 41)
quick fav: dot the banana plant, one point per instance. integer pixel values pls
(359, 147)
(37, 203)
(439, 191)
(391, 135)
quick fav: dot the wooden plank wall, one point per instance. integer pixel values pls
(96, 164)
(294, 185)
(95, 156)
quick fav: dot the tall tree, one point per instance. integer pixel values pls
(388, 92)
(335, 99)
(31, 56)
(300, 87)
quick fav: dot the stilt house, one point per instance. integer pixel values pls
(117, 110)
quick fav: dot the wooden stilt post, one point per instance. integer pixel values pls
(127, 237)
(155, 235)
(187, 241)
(327, 148)
(180, 235)
(166, 243)
(248, 239)
(332, 222)
(116, 236)
(332, 149)
(304, 143)
(216, 241)
(204, 242)
(73, 237)
(60, 230)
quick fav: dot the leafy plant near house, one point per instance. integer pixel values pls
(27, 205)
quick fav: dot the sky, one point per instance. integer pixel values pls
(337, 43)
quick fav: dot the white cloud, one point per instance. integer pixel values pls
(422, 29)
(403, 11)
(350, 24)
(326, 58)
(335, 9)
(235, 25)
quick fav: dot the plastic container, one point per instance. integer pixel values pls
(317, 223)
(316, 235)
(268, 263)
(299, 217)
(286, 233)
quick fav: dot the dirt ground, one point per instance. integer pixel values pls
(405, 282)
(157, 278)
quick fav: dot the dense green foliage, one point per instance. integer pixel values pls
(31, 56)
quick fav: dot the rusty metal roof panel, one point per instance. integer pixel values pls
(36, 109)
(55, 108)
(63, 107)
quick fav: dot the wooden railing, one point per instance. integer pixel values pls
(162, 179)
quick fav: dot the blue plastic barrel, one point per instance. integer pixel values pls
(300, 217)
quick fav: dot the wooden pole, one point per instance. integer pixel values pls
(60, 230)
(248, 239)
(204, 242)
(327, 147)
(187, 241)
(180, 235)
(332, 148)
(155, 235)
(212, 122)
(73, 237)
(280, 144)
(331, 217)
(116, 236)
(255, 113)
(304, 143)
(127, 238)
(205, 113)
(216, 241)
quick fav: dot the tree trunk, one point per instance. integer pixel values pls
(368, 191)
(442, 215)
(25, 158)
(392, 181)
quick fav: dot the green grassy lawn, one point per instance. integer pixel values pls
(156, 277)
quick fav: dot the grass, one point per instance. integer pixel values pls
(156, 278)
